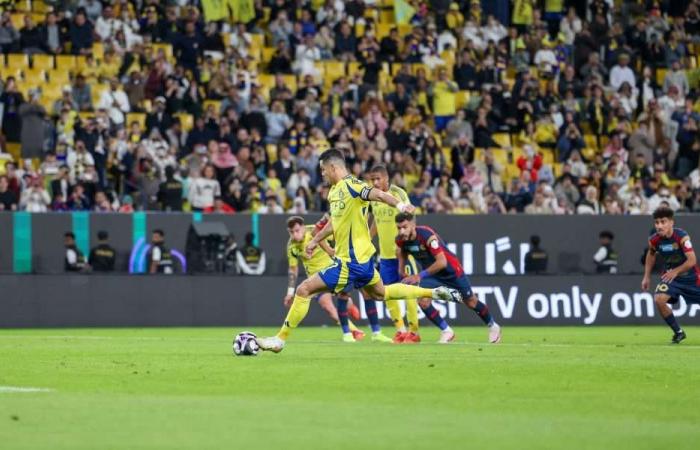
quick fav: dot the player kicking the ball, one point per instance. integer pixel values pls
(353, 266)
(681, 274)
(299, 236)
(440, 268)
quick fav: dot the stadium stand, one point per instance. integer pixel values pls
(475, 107)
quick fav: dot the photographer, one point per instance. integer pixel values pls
(34, 197)
(570, 137)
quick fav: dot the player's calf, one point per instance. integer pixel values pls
(661, 301)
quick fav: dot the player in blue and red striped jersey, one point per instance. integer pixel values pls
(440, 267)
(681, 274)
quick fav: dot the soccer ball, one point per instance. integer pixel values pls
(245, 344)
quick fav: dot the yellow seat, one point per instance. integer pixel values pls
(14, 149)
(43, 62)
(660, 75)
(66, 62)
(98, 51)
(10, 72)
(547, 155)
(502, 139)
(86, 115)
(96, 91)
(386, 17)
(17, 20)
(353, 67)
(334, 69)
(59, 77)
(257, 40)
(167, 50)
(17, 60)
(462, 99)
(136, 117)
(271, 150)
(33, 76)
(383, 29)
(590, 140)
(215, 103)
(267, 54)
(500, 155)
(186, 120)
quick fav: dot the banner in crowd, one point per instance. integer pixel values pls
(242, 10)
(215, 9)
(403, 11)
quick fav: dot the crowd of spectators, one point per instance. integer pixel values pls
(535, 107)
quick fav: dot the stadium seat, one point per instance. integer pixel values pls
(43, 62)
(267, 54)
(136, 117)
(502, 139)
(271, 150)
(14, 149)
(186, 120)
(461, 99)
(34, 76)
(17, 60)
(98, 51)
(10, 72)
(66, 62)
(660, 75)
(59, 77)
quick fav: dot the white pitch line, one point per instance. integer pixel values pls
(21, 390)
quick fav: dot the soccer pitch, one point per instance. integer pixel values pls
(182, 389)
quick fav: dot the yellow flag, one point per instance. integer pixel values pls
(403, 11)
(242, 10)
(214, 9)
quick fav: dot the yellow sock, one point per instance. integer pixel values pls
(352, 326)
(297, 312)
(398, 291)
(412, 315)
(395, 313)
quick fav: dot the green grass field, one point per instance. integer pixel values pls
(542, 388)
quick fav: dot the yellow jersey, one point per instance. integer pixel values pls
(348, 200)
(444, 100)
(296, 250)
(385, 220)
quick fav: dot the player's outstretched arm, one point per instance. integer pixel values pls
(649, 262)
(381, 196)
(319, 237)
(292, 275)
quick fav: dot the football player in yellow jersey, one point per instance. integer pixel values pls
(353, 266)
(385, 227)
(299, 236)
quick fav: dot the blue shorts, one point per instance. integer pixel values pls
(689, 290)
(389, 270)
(442, 121)
(344, 276)
(460, 283)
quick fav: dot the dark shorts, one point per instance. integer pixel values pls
(689, 290)
(460, 283)
(389, 270)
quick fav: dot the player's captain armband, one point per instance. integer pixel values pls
(364, 194)
(687, 246)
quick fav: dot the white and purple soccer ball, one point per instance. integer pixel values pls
(245, 344)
